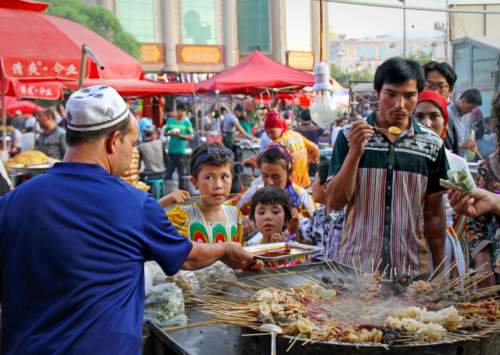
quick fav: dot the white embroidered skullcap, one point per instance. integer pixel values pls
(95, 108)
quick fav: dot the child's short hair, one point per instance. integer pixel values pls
(273, 154)
(271, 196)
(323, 169)
(210, 154)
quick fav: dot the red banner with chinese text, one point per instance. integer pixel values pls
(38, 90)
(41, 69)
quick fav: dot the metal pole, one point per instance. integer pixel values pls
(82, 67)
(4, 113)
(404, 28)
(446, 33)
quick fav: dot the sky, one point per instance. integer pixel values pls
(358, 21)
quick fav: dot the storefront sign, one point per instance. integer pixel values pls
(34, 90)
(300, 60)
(152, 53)
(192, 54)
(41, 69)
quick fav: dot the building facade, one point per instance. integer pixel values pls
(474, 25)
(369, 53)
(206, 36)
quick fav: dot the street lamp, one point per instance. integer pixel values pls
(404, 26)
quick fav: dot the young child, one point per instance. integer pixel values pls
(209, 221)
(322, 229)
(270, 211)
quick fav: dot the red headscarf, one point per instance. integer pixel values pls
(273, 119)
(437, 99)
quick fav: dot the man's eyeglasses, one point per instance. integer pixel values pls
(436, 86)
(420, 116)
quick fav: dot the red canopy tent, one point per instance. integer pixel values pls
(35, 47)
(25, 106)
(255, 73)
(136, 87)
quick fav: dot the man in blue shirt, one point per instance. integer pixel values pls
(73, 242)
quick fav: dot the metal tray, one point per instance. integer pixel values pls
(295, 250)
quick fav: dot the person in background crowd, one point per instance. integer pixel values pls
(76, 252)
(484, 231)
(230, 124)
(143, 123)
(323, 229)
(206, 121)
(210, 220)
(28, 138)
(31, 121)
(335, 129)
(366, 110)
(5, 183)
(18, 120)
(152, 155)
(62, 114)
(308, 128)
(245, 120)
(394, 215)
(468, 101)
(52, 141)
(180, 131)
(441, 77)
(432, 112)
(216, 123)
(15, 141)
(300, 148)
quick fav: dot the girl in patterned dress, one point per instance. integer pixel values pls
(209, 221)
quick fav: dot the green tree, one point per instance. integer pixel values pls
(345, 76)
(98, 19)
(421, 56)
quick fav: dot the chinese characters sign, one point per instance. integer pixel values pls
(38, 90)
(41, 69)
(189, 54)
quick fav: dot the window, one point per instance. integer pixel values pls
(371, 51)
(383, 52)
(138, 18)
(254, 26)
(483, 64)
(462, 59)
(198, 22)
(298, 25)
(361, 52)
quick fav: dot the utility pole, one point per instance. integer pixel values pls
(404, 27)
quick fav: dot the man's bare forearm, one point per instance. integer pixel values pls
(203, 255)
(435, 226)
(341, 188)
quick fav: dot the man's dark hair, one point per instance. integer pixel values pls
(305, 115)
(271, 196)
(398, 70)
(168, 108)
(210, 154)
(472, 96)
(181, 107)
(238, 108)
(74, 138)
(444, 69)
(223, 110)
(49, 113)
(324, 165)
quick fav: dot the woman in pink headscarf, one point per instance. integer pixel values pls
(302, 150)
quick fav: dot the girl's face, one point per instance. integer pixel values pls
(269, 219)
(274, 175)
(214, 183)
(430, 116)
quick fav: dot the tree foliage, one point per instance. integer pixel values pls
(98, 19)
(421, 56)
(345, 76)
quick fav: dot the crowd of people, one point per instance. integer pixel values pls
(375, 203)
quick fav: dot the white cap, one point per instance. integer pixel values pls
(95, 108)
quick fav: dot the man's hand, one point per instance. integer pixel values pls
(177, 196)
(475, 204)
(293, 223)
(236, 257)
(358, 136)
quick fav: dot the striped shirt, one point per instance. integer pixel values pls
(385, 218)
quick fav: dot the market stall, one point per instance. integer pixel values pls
(362, 315)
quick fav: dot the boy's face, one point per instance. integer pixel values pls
(214, 183)
(397, 103)
(269, 219)
(318, 190)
